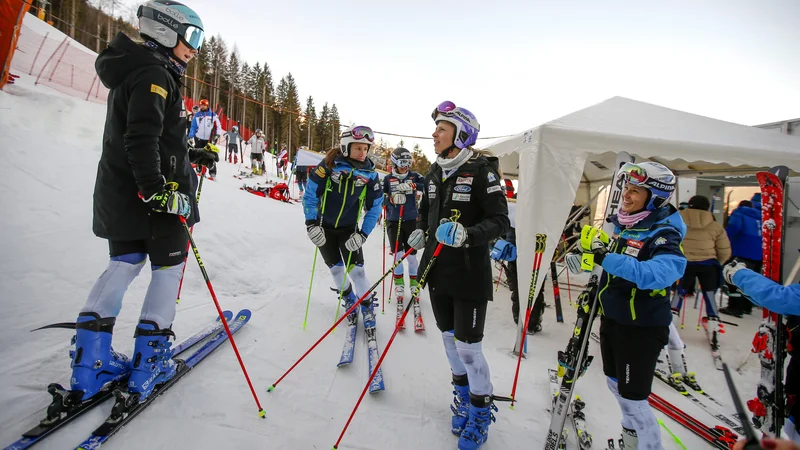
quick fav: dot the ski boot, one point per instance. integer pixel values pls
(349, 298)
(476, 432)
(399, 290)
(460, 406)
(690, 380)
(95, 365)
(152, 360)
(629, 440)
(414, 287)
(368, 311)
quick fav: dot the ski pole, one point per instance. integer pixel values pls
(188, 244)
(751, 442)
(261, 412)
(314, 265)
(541, 243)
(396, 246)
(699, 314)
(338, 321)
(569, 289)
(497, 284)
(383, 283)
(422, 283)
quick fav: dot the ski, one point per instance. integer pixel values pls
(577, 358)
(770, 342)
(579, 424)
(373, 354)
(674, 382)
(556, 292)
(60, 414)
(349, 338)
(419, 325)
(119, 419)
(718, 436)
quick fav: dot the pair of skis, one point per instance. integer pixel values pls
(576, 414)
(371, 337)
(419, 325)
(61, 413)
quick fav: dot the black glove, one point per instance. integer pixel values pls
(203, 157)
(169, 200)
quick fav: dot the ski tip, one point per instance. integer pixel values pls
(271, 388)
(262, 414)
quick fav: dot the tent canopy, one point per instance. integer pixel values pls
(578, 150)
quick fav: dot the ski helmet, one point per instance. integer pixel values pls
(166, 21)
(235, 128)
(203, 102)
(653, 176)
(467, 126)
(401, 157)
(258, 130)
(357, 133)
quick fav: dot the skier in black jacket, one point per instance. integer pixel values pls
(144, 182)
(464, 207)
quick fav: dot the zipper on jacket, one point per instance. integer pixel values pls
(344, 201)
(633, 309)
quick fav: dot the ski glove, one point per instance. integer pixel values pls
(594, 241)
(731, 268)
(574, 263)
(417, 240)
(191, 142)
(355, 241)
(452, 234)
(316, 234)
(170, 201)
(405, 188)
(398, 199)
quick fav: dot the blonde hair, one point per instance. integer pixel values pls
(486, 153)
(331, 155)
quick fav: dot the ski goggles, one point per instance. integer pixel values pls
(633, 174)
(192, 36)
(360, 132)
(446, 108)
(401, 162)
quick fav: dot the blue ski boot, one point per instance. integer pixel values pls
(460, 406)
(152, 362)
(350, 298)
(95, 365)
(368, 311)
(476, 432)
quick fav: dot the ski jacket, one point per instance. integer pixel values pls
(705, 239)
(257, 144)
(473, 191)
(744, 232)
(233, 137)
(335, 195)
(766, 293)
(204, 125)
(640, 267)
(410, 212)
(144, 143)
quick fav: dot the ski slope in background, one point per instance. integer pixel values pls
(258, 256)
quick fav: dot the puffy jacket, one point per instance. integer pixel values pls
(144, 142)
(705, 239)
(410, 211)
(474, 191)
(204, 125)
(640, 267)
(744, 232)
(341, 191)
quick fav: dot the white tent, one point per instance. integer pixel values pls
(576, 151)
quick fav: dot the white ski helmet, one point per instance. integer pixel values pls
(358, 133)
(165, 21)
(654, 177)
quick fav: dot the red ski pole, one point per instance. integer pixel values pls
(383, 283)
(339, 320)
(222, 317)
(541, 242)
(396, 246)
(389, 344)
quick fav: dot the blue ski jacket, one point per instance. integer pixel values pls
(640, 267)
(335, 195)
(410, 211)
(766, 293)
(744, 232)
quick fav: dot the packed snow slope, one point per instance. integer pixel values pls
(257, 254)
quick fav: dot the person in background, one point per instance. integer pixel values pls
(706, 247)
(257, 144)
(234, 140)
(301, 175)
(744, 232)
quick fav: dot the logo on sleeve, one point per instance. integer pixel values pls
(320, 172)
(156, 89)
(660, 241)
(491, 189)
(491, 177)
(431, 187)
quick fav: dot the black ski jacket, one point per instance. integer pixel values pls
(144, 139)
(474, 191)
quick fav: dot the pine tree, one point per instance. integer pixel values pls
(334, 118)
(322, 140)
(421, 163)
(307, 127)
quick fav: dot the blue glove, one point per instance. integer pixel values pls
(452, 234)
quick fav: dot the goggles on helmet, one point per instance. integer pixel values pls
(633, 174)
(444, 108)
(360, 132)
(401, 162)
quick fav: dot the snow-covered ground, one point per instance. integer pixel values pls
(257, 254)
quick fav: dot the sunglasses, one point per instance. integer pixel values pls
(361, 132)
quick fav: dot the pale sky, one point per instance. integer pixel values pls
(516, 65)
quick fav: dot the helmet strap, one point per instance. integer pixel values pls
(447, 151)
